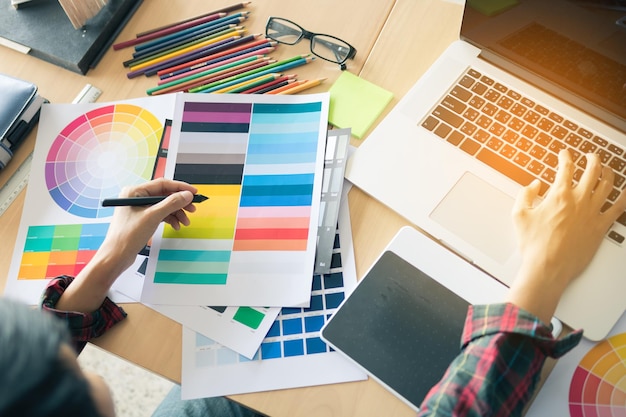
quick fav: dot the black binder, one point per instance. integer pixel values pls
(47, 31)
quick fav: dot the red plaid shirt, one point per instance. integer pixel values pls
(83, 327)
(502, 352)
(503, 349)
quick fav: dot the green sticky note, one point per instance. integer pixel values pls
(356, 103)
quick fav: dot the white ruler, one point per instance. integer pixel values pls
(19, 179)
(15, 184)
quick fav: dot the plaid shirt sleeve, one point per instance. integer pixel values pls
(502, 352)
(83, 327)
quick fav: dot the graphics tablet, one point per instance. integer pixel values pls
(403, 322)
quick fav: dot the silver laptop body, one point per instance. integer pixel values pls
(437, 161)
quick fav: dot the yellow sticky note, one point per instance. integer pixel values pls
(356, 103)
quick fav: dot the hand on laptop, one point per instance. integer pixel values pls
(559, 236)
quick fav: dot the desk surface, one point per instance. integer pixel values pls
(396, 41)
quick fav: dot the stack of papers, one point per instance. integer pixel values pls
(240, 278)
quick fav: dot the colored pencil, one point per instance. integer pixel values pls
(301, 87)
(273, 87)
(176, 54)
(209, 69)
(187, 46)
(236, 20)
(200, 53)
(223, 10)
(243, 47)
(253, 82)
(177, 42)
(218, 63)
(165, 32)
(211, 76)
(209, 49)
(279, 66)
(269, 84)
(211, 72)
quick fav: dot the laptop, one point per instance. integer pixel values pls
(523, 81)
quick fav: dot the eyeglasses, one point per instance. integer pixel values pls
(326, 47)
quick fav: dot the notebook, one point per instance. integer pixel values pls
(403, 322)
(552, 74)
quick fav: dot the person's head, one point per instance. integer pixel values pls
(39, 374)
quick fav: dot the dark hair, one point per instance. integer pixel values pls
(35, 380)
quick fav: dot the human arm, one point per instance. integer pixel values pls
(505, 346)
(129, 231)
(81, 302)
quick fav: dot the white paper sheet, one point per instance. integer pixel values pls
(83, 153)
(292, 355)
(260, 160)
(241, 329)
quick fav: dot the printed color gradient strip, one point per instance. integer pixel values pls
(257, 164)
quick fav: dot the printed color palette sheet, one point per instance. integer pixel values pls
(84, 153)
(259, 160)
(292, 353)
(589, 381)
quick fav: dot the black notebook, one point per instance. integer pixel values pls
(47, 31)
(403, 322)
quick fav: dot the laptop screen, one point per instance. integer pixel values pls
(574, 49)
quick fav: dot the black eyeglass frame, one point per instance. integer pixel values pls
(311, 36)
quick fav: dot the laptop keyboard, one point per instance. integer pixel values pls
(519, 137)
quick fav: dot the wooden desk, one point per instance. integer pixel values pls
(396, 42)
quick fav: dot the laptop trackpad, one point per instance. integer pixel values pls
(480, 214)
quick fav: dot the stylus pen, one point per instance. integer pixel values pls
(144, 201)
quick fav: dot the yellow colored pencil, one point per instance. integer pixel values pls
(235, 33)
(301, 87)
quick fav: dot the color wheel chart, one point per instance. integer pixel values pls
(98, 153)
(260, 161)
(83, 153)
(598, 387)
(588, 381)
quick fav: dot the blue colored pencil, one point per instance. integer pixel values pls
(174, 42)
(234, 31)
(207, 27)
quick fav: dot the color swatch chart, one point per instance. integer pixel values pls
(292, 353)
(98, 153)
(598, 387)
(260, 163)
(56, 250)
